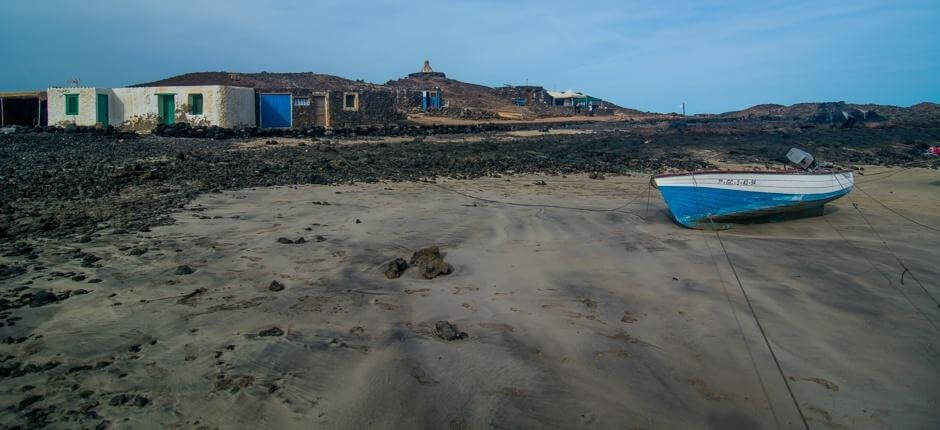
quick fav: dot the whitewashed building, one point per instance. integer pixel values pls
(142, 108)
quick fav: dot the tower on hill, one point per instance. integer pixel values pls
(427, 72)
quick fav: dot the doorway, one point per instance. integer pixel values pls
(166, 108)
(103, 110)
(319, 111)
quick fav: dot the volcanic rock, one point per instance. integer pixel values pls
(395, 268)
(447, 331)
(430, 262)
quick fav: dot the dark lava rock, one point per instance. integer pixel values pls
(135, 348)
(300, 240)
(358, 221)
(119, 400)
(89, 259)
(11, 271)
(78, 278)
(94, 281)
(184, 270)
(86, 394)
(540, 183)
(88, 405)
(29, 400)
(275, 286)
(138, 251)
(319, 238)
(285, 241)
(430, 262)
(141, 401)
(42, 298)
(83, 239)
(447, 331)
(273, 331)
(596, 175)
(395, 268)
(80, 291)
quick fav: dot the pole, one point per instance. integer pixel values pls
(2, 122)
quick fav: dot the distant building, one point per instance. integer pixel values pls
(564, 98)
(427, 72)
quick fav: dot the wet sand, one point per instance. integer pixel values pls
(612, 317)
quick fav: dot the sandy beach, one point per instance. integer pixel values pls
(584, 305)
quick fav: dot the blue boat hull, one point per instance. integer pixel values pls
(703, 207)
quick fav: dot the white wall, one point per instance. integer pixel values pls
(138, 108)
(238, 107)
(87, 106)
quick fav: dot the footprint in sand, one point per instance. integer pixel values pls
(498, 326)
(628, 318)
(611, 354)
(822, 382)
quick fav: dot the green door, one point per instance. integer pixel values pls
(167, 108)
(103, 109)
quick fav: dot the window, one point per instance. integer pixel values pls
(195, 104)
(71, 104)
(302, 101)
(350, 101)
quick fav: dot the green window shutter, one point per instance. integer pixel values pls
(71, 104)
(195, 104)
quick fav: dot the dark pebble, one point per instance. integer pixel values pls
(184, 270)
(273, 331)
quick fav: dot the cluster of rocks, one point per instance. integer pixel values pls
(183, 129)
(428, 261)
(57, 184)
(110, 131)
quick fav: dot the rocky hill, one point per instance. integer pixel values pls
(837, 112)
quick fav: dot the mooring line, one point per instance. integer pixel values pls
(896, 212)
(747, 345)
(536, 205)
(762, 332)
(883, 242)
(881, 272)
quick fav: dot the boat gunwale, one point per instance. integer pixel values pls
(759, 172)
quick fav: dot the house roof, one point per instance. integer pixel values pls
(23, 95)
(567, 94)
(263, 80)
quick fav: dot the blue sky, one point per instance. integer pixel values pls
(714, 55)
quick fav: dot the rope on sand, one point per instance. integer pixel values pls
(535, 205)
(760, 327)
(885, 244)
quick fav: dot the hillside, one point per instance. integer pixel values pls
(836, 112)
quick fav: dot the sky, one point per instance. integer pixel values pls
(715, 56)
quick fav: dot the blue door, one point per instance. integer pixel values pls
(275, 110)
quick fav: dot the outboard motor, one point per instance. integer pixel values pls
(800, 158)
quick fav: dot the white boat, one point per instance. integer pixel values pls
(711, 199)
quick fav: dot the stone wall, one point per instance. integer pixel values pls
(376, 107)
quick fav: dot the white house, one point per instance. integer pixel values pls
(565, 98)
(142, 108)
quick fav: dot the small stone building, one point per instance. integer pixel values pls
(142, 108)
